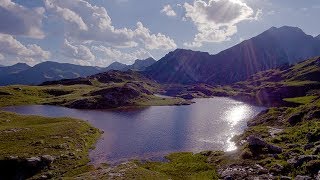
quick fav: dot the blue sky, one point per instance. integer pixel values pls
(99, 32)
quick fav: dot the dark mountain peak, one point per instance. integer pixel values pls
(285, 29)
(21, 66)
(187, 51)
(115, 66)
(144, 60)
(318, 37)
(149, 60)
(185, 54)
(117, 63)
(284, 32)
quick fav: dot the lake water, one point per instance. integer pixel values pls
(152, 132)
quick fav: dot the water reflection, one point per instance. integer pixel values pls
(235, 115)
(152, 132)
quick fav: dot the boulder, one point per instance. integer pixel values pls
(308, 146)
(296, 118)
(255, 141)
(187, 96)
(313, 166)
(298, 161)
(47, 159)
(316, 150)
(33, 161)
(256, 144)
(299, 177)
(23, 168)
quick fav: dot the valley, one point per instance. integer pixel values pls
(251, 111)
(282, 141)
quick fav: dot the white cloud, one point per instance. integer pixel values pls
(216, 20)
(1, 56)
(68, 15)
(77, 52)
(111, 54)
(167, 9)
(94, 24)
(153, 41)
(13, 48)
(19, 20)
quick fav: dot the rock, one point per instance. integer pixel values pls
(313, 136)
(17, 89)
(234, 173)
(318, 176)
(5, 93)
(256, 144)
(298, 161)
(299, 177)
(23, 168)
(238, 172)
(292, 146)
(313, 166)
(246, 154)
(296, 118)
(276, 169)
(313, 115)
(274, 149)
(285, 178)
(308, 146)
(187, 96)
(44, 177)
(255, 141)
(47, 159)
(33, 161)
(316, 150)
(206, 153)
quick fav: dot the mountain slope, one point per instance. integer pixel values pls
(274, 87)
(48, 71)
(14, 69)
(273, 48)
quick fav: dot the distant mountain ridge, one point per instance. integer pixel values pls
(22, 73)
(14, 69)
(272, 48)
(138, 65)
(48, 71)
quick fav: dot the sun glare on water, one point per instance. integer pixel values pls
(233, 116)
(237, 113)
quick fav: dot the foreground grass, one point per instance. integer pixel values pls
(67, 140)
(184, 166)
(301, 100)
(179, 166)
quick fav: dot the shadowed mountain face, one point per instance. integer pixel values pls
(273, 48)
(46, 71)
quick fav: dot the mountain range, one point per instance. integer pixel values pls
(51, 71)
(276, 47)
(273, 48)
